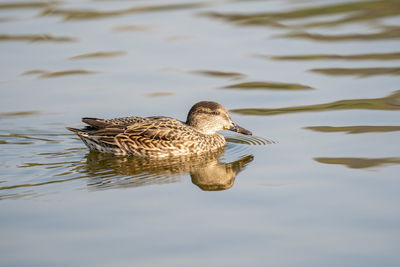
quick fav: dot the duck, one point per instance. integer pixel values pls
(160, 136)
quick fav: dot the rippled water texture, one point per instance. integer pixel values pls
(316, 185)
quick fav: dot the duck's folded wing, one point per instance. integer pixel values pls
(156, 135)
(119, 122)
(106, 135)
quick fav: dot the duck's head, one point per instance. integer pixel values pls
(209, 117)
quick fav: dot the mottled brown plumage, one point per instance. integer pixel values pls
(160, 136)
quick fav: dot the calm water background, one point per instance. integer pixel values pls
(318, 77)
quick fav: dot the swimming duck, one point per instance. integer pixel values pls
(160, 136)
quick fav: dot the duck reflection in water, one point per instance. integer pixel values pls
(207, 171)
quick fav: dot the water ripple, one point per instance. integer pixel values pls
(360, 163)
(248, 140)
(391, 102)
(43, 170)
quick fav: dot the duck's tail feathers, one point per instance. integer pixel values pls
(95, 122)
(77, 131)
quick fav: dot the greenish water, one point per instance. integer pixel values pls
(317, 184)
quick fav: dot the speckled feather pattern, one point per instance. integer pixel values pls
(160, 136)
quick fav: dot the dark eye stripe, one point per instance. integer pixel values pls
(217, 113)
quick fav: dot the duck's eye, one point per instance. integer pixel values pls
(215, 113)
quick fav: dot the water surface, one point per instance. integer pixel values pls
(317, 184)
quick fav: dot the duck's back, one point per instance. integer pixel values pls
(120, 122)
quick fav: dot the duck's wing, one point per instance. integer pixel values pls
(162, 128)
(107, 129)
(117, 122)
(157, 134)
(100, 136)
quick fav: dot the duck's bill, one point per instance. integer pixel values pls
(236, 128)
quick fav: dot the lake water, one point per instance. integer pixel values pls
(317, 82)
